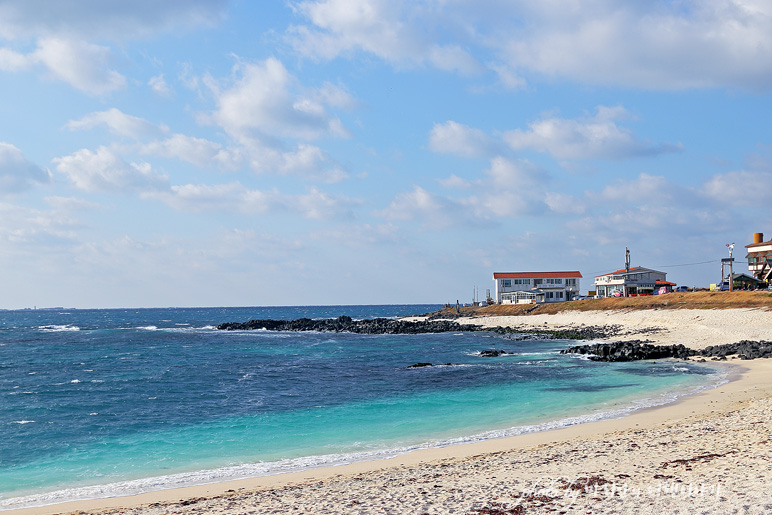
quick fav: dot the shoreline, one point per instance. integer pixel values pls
(340, 488)
(616, 411)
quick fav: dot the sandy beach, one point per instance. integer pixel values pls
(707, 453)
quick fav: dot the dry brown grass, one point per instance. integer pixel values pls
(685, 300)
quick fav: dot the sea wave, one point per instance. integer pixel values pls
(260, 469)
(58, 328)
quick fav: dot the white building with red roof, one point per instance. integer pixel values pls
(760, 258)
(535, 287)
(635, 281)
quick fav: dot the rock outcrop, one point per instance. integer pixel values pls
(347, 324)
(637, 350)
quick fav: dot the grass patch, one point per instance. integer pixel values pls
(690, 300)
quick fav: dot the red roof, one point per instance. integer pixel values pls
(619, 271)
(534, 275)
(665, 283)
(632, 269)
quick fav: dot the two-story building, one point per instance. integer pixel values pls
(535, 287)
(760, 258)
(635, 281)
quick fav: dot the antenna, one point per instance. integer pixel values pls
(627, 271)
(627, 260)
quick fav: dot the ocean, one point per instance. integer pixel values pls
(101, 403)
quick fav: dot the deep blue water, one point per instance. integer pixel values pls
(109, 402)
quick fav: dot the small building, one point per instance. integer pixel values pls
(635, 281)
(760, 258)
(535, 287)
(745, 282)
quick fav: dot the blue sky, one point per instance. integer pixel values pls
(213, 152)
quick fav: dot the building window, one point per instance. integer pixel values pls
(537, 282)
(522, 281)
(506, 283)
(570, 282)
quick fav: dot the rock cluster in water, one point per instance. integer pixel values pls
(635, 350)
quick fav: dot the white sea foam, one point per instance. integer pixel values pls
(23, 422)
(133, 487)
(58, 328)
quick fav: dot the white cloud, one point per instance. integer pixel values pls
(318, 205)
(11, 61)
(650, 189)
(455, 181)
(118, 123)
(104, 170)
(641, 45)
(740, 188)
(233, 197)
(236, 198)
(457, 139)
(31, 233)
(104, 19)
(597, 137)
(453, 58)
(63, 30)
(652, 208)
(564, 204)
(159, 85)
(520, 175)
(433, 211)
(507, 189)
(17, 173)
(311, 162)
(264, 99)
(393, 30)
(335, 96)
(84, 66)
(694, 43)
(508, 77)
(196, 151)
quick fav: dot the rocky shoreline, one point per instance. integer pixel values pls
(636, 350)
(399, 326)
(631, 350)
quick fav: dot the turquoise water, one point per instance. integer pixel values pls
(112, 402)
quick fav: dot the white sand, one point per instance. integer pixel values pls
(709, 453)
(695, 328)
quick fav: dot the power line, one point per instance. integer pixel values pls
(596, 274)
(690, 264)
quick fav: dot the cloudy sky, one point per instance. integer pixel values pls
(215, 152)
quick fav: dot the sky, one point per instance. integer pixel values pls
(325, 152)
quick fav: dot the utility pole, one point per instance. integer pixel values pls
(731, 274)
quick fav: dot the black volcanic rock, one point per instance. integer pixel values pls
(346, 324)
(492, 353)
(635, 350)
